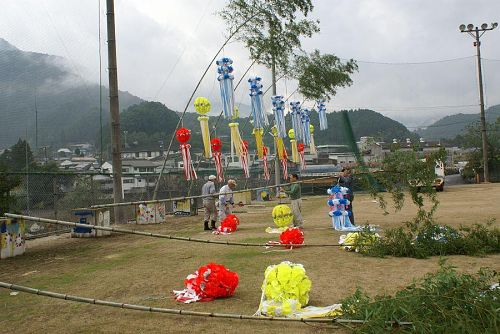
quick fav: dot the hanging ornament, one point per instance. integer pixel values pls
(293, 143)
(281, 151)
(279, 114)
(258, 113)
(244, 159)
(295, 118)
(225, 79)
(301, 147)
(323, 122)
(239, 147)
(312, 145)
(305, 122)
(259, 141)
(183, 136)
(216, 145)
(202, 106)
(267, 176)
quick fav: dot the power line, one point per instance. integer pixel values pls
(409, 63)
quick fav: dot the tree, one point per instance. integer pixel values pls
(271, 29)
(472, 140)
(320, 75)
(7, 183)
(18, 157)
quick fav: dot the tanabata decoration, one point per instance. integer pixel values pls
(285, 293)
(259, 141)
(258, 113)
(202, 106)
(225, 78)
(339, 209)
(285, 289)
(267, 176)
(292, 236)
(279, 115)
(228, 225)
(293, 144)
(239, 147)
(216, 145)
(295, 113)
(282, 155)
(244, 159)
(282, 215)
(207, 283)
(312, 145)
(323, 122)
(183, 136)
(356, 241)
(301, 148)
(305, 122)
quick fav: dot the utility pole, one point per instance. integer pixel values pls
(36, 126)
(114, 108)
(476, 33)
(276, 160)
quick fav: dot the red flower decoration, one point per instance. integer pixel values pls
(229, 224)
(245, 144)
(301, 147)
(216, 144)
(292, 236)
(183, 135)
(213, 281)
(264, 150)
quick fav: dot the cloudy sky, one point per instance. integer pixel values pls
(414, 64)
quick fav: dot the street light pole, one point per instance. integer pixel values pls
(476, 33)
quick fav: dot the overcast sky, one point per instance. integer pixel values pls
(165, 45)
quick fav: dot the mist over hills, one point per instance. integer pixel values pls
(67, 106)
(450, 126)
(46, 87)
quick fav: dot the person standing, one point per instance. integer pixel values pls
(346, 180)
(226, 201)
(208, 191)
(294, 192)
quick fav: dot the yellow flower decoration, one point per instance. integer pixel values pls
(282, 215)
(202, 105)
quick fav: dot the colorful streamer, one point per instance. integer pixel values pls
(279, 115)
(323, 122)
(305, 130)
(267, 176)
(258, 113)
(259, 141)
(216, 145)
(183, 136)
(225, 79)
(281, 151)
(240, 147)
(296, 122)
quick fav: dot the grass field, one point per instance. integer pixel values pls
(144, 271)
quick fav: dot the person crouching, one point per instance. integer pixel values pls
(226, 201)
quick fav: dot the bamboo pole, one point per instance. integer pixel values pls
(178, 311)
(162, 236)
(100, 206)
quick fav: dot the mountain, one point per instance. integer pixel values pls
(450, 126)
(67, 106)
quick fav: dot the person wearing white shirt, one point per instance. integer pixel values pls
(226, 201)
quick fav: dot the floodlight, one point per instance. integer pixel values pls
(470, 26)
(462, 27)
(494, 25)
(484, 26)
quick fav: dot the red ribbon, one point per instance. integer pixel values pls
(189, 171)
(267, 176)
(218, 166)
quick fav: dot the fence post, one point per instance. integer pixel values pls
(54, 193)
